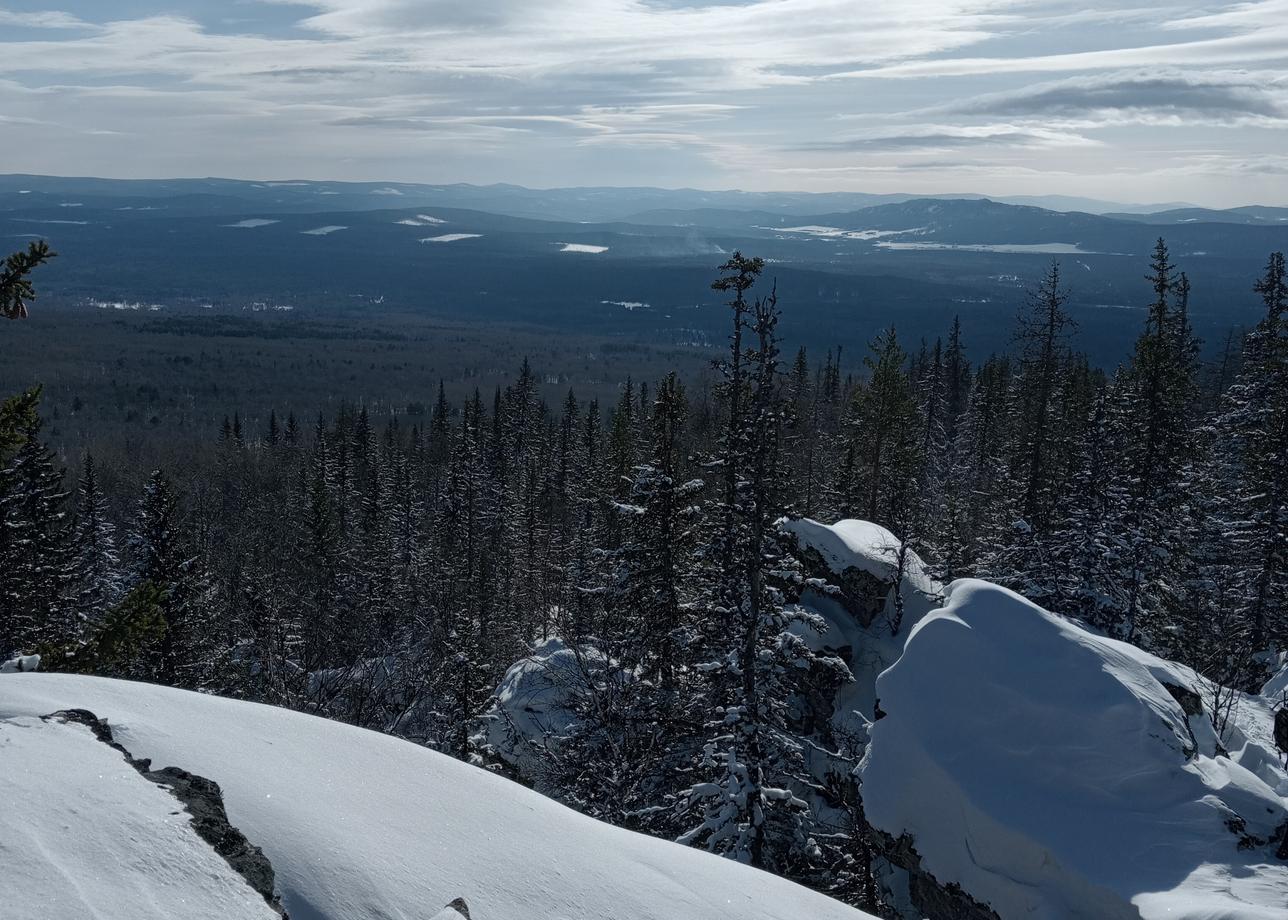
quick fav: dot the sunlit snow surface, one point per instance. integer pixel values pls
(84, 835)
(323, 231)
(582, 247)
(363, 825)
(1051, 774)
(251, 223)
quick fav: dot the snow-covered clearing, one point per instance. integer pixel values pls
(363, 825)
(421, 220)
(252, 222)
(451, 237)
(839, 233)
(1019, 248)
(323, 231)
(37, 220)
(581, 247)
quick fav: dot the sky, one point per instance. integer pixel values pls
(1134, 101)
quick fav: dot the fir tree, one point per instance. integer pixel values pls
(749, 809)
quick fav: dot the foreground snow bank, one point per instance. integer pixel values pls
(358, 824)
(1052, 773)
(83, 834)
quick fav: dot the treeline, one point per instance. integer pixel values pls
(389, 574)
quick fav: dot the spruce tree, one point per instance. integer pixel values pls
(1043, 333)
(1160, 386)
(884, 436)
(36, 549)
(748, 807)
(99, 580)
(1250, 434)
(163, 558)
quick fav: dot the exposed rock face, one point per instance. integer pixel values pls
(1191, 703)
(932, 899)
(862, 594)
(459, 908)
(202, 799)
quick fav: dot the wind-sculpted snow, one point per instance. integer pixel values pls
(83, 834)
(362, 825)
(1053, 773)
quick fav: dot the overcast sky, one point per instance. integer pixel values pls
(1126, 101)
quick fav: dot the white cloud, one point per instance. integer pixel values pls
(50, 19)
(631, 91)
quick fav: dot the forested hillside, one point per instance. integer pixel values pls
(388, 570)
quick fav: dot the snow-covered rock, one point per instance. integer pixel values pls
(535, 705)
(356, 824)
(1052, 773)
(869, 601)
(863, 560)
(20, 664)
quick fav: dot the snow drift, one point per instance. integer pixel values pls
(356, 824)
(1052, 773)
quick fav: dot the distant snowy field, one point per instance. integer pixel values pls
(358, 825)
(1031, 248)
(421, 220)
(451, 237)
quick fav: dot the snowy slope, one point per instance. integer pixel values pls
(1052, 774)
(361, 825)
(85, 835)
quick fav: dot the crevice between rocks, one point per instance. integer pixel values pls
(203, 800)
(931, 897)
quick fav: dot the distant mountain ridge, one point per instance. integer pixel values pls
(562, 258)
(593, 203)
